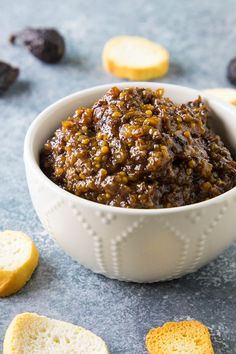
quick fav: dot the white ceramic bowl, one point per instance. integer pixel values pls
(130, 244)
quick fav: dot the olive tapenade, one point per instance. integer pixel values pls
(135, 148)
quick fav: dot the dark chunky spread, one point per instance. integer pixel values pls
(137, 149)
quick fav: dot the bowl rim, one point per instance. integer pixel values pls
(43, 116)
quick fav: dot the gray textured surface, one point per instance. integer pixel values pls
(201, 40)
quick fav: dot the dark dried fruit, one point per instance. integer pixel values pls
(45, 44)
(8, 76)
(231, 71)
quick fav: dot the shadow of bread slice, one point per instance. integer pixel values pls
(186, 337)
(18, 259)
(30, 333)
(135, 58)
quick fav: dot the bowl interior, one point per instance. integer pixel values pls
(223, 118)
(49, 120)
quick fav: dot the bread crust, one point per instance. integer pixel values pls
(30, 333)
(136, 72)
(191, 336)
(12, 281)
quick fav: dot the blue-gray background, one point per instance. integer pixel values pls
(201, 38)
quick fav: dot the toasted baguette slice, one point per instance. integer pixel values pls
(186, 337)
(30, 333)
(225, 94)
(135, 58)
(18, 259)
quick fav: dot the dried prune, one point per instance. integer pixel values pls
(46, 44)
(8, 76)
(231, 71)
